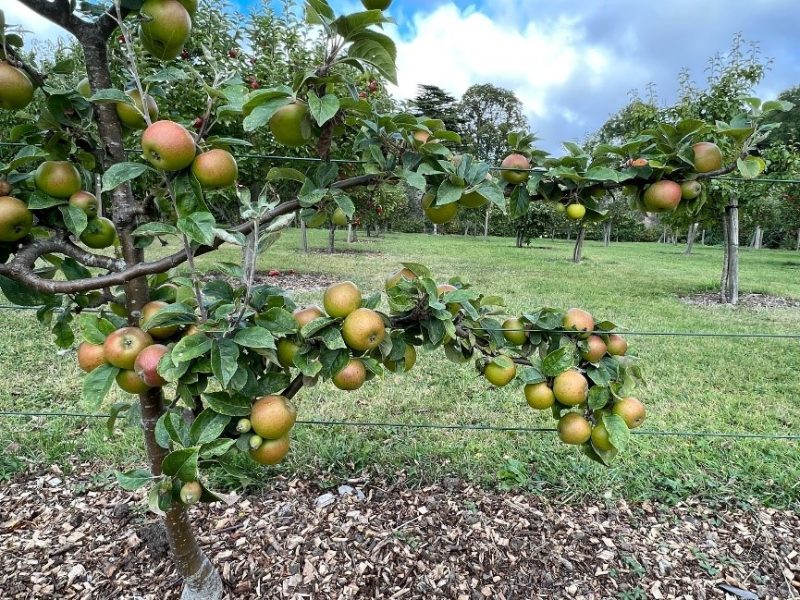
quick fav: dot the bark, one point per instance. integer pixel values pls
(723, 283)
(690, 239)
(758, 238)
(732, 291)
(303, 237)
(349, 233)
(331, 238)
(797, 247)
(577, 254)
(201, 580)
(607, 234)
(703, 238)
(520, 237)
(486, 222)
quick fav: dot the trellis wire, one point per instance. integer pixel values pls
(455, 427)
(691, 334)
(352, 161)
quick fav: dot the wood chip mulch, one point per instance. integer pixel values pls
(753, 301)
(291, 281)
(80, 536)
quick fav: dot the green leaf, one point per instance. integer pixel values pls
(323, 109)
(181, 464)
(97, 384)
(95, 329)
(39, 200)
(228, 404)
(599, 396)
(21, 295)
(377, 53)
(224, 360)
(531, 375)
(111, 95)
(199, 227)
(751, 167)
(171, 314)
(191, 347)
(119, 173)
(618, 433)
(166, 75)
(133, 480)
(154, 229)
(216, 448)
(285, 173)
(558, 361)
(255, 337)
(263, 113)
(207, 427)
(74, 218)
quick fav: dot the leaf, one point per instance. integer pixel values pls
(285, 173)
(119, 173)
(133, 480)
(74, 218)
(181, 464)
(323, 109)
(208, 426)
(191, 347)
(224, 360)
(751, 167)
(154, 229)
(171, 314)
(216, 448)
(377, 53)
(618, 433)
(599, 396)
(558, 361)
(228, 404)
(95, 329)
(97, 384)
(166, 75)
(199, 227)
(21, 295)
(39, 200)
(255, 337)
(531, 375)
(111, 95)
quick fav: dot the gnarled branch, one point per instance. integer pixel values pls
(21, 267)
(60, 13)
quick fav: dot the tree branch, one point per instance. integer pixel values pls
(21, 267)
(60, 13)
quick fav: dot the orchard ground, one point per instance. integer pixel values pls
(694, 384)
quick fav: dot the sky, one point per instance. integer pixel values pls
(572, 63)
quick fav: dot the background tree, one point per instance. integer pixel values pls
(433, 102)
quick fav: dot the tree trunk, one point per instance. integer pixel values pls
(349, 233)
(577, 254)
(730, 276)
(690, 239)
(303, 237)
(797, 248)
(703, 238)
(607, 234)
(519, 238)
(331, 238)
(368, 229)
(466, 230)
(486, 221)
(201, 580)
(758, 238)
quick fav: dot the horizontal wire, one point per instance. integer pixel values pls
(363, 162)
(457, 427)
(700, 334)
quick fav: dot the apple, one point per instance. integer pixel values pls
(215, 169)
(86, 201)
(16, 90)
(515, 161)
(162, 332)
(16, 220)
(99, 233)
(341, 299)
(90, 356)
(287, 123)
(132, 115)
(123, 346)
(707, 157)
(167, 145)
(363, 330)
(166, 27)
(57, 178)
(663, 196)
(576, 212)
(146, 365)
(272, 417)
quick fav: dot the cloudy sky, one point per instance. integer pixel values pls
(572, 63)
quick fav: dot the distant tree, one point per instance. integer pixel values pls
(488, 114)
(434, 103)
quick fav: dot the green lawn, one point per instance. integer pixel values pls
(694, 384)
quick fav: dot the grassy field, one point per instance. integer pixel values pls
(694, 384)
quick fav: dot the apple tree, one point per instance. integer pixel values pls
(215, 362)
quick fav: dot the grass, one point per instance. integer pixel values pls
(694, 384)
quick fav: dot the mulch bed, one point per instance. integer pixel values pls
(757, 301)
(78, 536)
(291, 281)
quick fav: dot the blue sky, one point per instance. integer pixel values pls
(572, 62)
